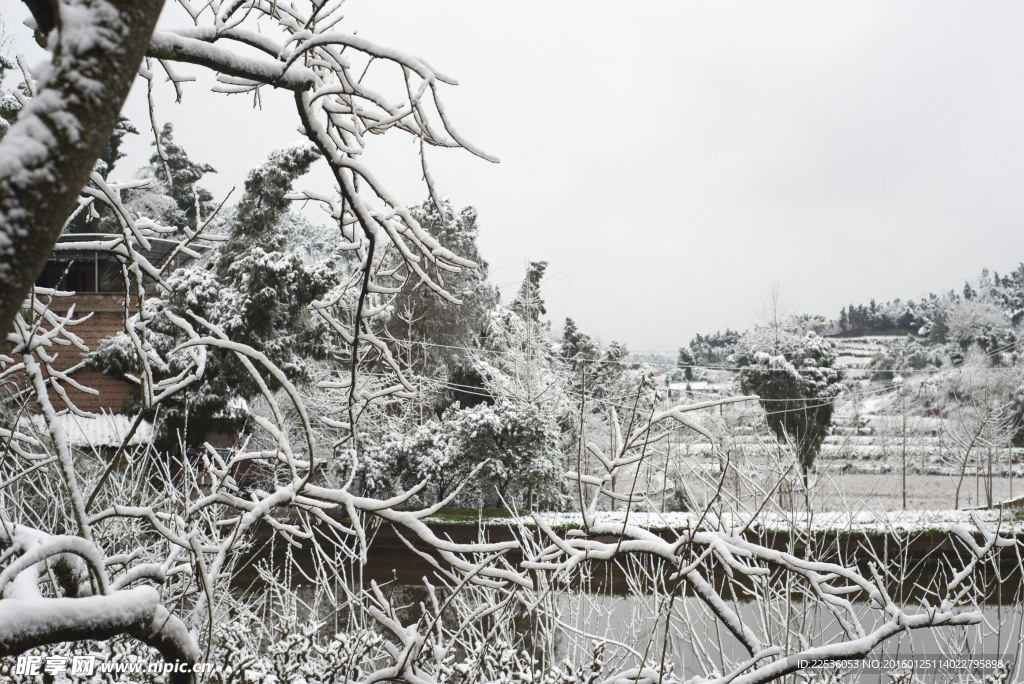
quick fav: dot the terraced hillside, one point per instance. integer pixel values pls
(885, 450)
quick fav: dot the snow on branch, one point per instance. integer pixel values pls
(174, 47)
(48, 153)
(294, 472)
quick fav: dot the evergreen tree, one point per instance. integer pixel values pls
(9, 104)
(182, 177)
(254, 290)
(797, 389)
(578, 347)
(100, 218)
(438, 333)
(573, 340)
(939, 331)
(169, 200)
(686, 362)
(528, 303)
(612, 381)
(580, 353)
(112, 152)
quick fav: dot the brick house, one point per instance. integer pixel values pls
(95, 278)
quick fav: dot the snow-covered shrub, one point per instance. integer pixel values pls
(983, 323)
(518, 441)
(293, 653)
(905, 355)
(128, 661)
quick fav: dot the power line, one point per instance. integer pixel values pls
(848, 394)
(631, 364)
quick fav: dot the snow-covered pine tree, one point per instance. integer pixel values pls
(112, 152)
(685, 362)
(797, 384)
(170, 198)
(9, 103)
(253, 289)
(98, 218)
(436, 335)
(579, 353)
(171, 163)
(528, 302)
(613, 383)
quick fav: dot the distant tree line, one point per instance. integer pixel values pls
(930, 316)
(714, 348)
(888, 317)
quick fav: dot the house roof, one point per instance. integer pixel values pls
(72, 244)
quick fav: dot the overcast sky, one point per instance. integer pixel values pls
(671, 160)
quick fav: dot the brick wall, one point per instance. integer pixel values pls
(107, 320)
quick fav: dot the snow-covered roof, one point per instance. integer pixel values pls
(105, 430)
(159, 248)
(693, 385)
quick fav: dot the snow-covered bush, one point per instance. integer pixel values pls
(982, 323)
(905, 355)
(517, 444)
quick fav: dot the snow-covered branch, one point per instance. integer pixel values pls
(47, 155)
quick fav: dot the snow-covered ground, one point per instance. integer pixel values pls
(855, 353)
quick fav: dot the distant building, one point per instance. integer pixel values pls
(697, 388)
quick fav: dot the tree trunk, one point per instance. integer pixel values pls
(47, 155)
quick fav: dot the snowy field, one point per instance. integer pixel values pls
(884, 491)
(836, 487)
